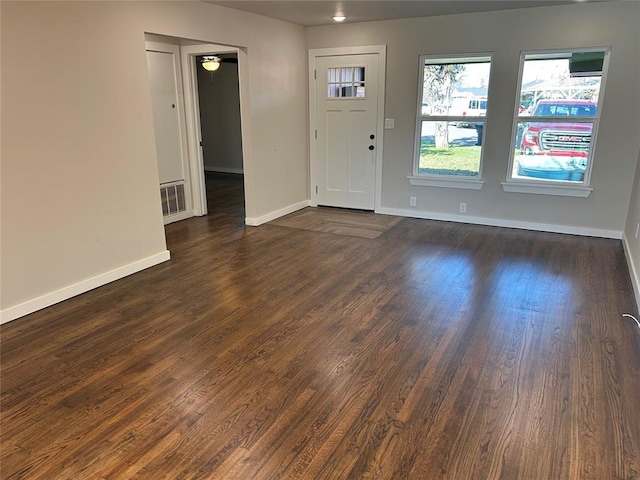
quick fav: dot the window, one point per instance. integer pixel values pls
(451, 120)
(557, 119)
(345, 82)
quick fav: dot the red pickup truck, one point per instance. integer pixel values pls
(559, 139)
(556, 150)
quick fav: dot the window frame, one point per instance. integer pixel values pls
(443, 180)
(550, 186)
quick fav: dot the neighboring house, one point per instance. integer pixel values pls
(80, 201)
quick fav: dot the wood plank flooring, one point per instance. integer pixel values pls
(435, 351)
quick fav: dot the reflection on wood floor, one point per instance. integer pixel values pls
(225, 194)
(434, 351)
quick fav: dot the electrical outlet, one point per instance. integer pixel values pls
(412, 203)
(463, 208)
(637, 229)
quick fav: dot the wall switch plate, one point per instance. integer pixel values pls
(389, 123)
(463, 208)
(412, 202)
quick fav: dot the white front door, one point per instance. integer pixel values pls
(346, 96)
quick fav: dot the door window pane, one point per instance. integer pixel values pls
(346, 82)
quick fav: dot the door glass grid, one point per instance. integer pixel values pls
(345, 82)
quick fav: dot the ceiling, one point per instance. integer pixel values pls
(315, 12)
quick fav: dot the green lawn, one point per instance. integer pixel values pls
(458, 160)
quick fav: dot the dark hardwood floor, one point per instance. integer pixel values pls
(225, 195)
(434, 351)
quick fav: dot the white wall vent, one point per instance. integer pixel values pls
(173, 200)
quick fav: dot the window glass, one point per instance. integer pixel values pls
(461, 157)
(451, 116)
(557, 116)
(346, 82)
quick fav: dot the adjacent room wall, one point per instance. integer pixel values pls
(220, 119)
(79, 186)
(505, 34)
(632, 234)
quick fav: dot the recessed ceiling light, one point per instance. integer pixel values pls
(339, 18)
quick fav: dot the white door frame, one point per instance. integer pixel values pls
(194, 136)
(381, 50)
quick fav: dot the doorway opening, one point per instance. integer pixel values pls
(217, 114)
(218, 97)
(201, 120)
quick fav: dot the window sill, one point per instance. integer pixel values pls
(542, 189)
(447, 182)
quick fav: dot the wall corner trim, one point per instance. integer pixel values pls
(633, 273)
(65, 293)
(255, 221)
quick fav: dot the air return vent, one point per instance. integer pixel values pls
(172, 195)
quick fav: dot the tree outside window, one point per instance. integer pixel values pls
(451, 116)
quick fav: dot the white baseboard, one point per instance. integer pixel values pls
(255, 221)
(635, 279)
(497, 222)
(65, 293)
(223, 170)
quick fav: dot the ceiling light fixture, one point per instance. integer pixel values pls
(339, 18)
(211, 64)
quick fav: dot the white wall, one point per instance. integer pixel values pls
(79, 175)
(505, 34)
(632, 234)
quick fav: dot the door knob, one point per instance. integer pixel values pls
(371, 147)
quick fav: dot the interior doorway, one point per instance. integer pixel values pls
(216, 104)
(200, 115)
(220, 130)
